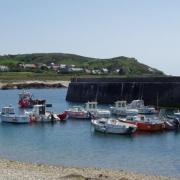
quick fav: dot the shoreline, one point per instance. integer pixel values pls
(34, 84)
(22, 170)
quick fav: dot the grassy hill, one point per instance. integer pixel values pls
(128, 66)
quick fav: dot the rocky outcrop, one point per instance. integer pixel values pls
(35, 85)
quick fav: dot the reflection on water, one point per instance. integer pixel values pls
(74, 143)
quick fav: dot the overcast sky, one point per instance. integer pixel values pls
(148, 30)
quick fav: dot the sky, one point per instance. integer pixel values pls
(148, 30)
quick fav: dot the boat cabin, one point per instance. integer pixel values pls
(137, 104)
(90, 106)
(39, 109)
(120, 104)
(25, 95)
(77, 108)
(137, 118)
(8, 110)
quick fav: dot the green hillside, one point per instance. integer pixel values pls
(125, 66)
(129, 66)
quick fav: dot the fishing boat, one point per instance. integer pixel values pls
(145, 124)
(79, 112)
(121, 109)
(142, 109)
(113, 126)
(92, 108)
(39, 114)
(26, 100)
(8, 115)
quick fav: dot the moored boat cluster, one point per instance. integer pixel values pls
(122, 118)
(37, 114)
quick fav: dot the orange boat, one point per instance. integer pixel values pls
(145, 124)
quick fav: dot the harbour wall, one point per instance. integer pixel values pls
(157, 91)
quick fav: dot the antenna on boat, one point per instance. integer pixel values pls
(122, 87)
(157, 100)
(142, 92)
(139, 90)
(97, 91)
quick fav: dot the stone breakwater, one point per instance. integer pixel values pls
(20, 171)
(34, 84)
(157, 91)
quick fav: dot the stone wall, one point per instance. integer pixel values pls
(161, 91)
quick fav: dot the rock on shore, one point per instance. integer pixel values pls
(34, 84)
(20, 171)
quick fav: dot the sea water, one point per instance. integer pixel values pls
(74, 143)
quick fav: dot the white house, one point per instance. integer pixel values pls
(105, 70)
(4, 68)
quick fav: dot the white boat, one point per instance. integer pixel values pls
(113, 126)
(142, 109)
(39, 114)
(98, 113)
(8, 115)
(121, 109)
(79, 112)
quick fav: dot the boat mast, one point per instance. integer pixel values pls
(157, 100)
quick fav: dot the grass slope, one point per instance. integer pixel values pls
(130, 66)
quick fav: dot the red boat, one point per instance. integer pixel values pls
(26, 100)
(63, 116)
(145, 124)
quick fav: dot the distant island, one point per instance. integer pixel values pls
(59, 66)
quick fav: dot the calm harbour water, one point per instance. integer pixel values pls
(74, 143)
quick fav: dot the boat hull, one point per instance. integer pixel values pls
(15, 119)
(77, 115)
(147, 111)
(150, 127)
(124, 112)
(145, 126)
(100, 113)
(113, 129)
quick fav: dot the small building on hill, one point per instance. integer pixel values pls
(28, 66)
(4, 68)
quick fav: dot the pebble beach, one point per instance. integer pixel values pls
(16, 170)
